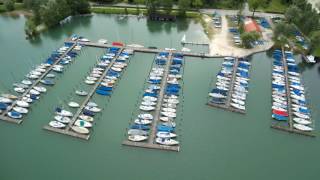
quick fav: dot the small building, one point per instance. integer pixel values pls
(251, 25)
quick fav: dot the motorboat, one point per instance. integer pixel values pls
(63, 112)
(26, 82)
(57, 124)
(169, 114)
(50, 75)
(20, 85)
(92, 109)
(89, 78)
(92, 104)
(238, 106)
(80, 130)
(62, 119)
(9, 96)
(34, 92)
(137, 138)
(301, 121)
(163, 134)
(5, 100)
(167, 141)
(89, 82)
(148, 103)
(237, 101)
(47, 82)
(27, 99)
(169, 110)
(300, 115)
(150, 98)
(172, 101)
(73, 104)
(83, 123)
(81, 93)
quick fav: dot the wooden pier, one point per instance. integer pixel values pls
(151, 144)
(148, 50)
(4, 116)
(227, 105)
(290, 127)
(68, 130)
(195, 43)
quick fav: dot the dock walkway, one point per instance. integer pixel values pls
(4, 116)
(290, 127)
(151, 144)
(68, 130)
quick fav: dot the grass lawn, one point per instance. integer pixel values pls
(275, 6)
(116, 10)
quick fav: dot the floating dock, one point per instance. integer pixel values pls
(150, 143)
(227, 105)
(290, 127)
(4, 116)
(148, 50)
(68, 130)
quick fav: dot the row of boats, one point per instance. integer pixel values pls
(219, 94)
(106, 80)
(165, 135)
(28, 89)
(280, 107)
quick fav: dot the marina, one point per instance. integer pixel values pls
(111, 65)
(290, 108)
(31, 90)
(231, 87)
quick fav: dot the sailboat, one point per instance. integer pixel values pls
(183, 39)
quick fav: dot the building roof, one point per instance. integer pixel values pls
(251, 25)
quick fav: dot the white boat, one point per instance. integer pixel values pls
(20, 110)
(37, 73)
(148, 103)
(89, 78)
(302, 127)
(137, 132)
(142, 121)
(92, 104)
(42, 70)
(5, 100)
(95, 75)
(169, 114)
(62, 119)
(162, 134)
(22, 104)
(9, 96)
(300, 115)
(40, 89)
(26, 82)
(92, 109)
(169, 110)
(82, 123)
(89, 82)
(65, 113)
(169, 105)
(80, 130)
(27, 99)
(238, 106)
(32, 76)
(145, 116)
(240, 102)
(137, 138)
(19, 90)
(73, 104)
(146, 108)
(167, 141)
(34, 92)
(102, 41)
(172, 101)
(86, 118)
(81, 93)
(217, 95)
(57, 124)
(301, 121)
(149, 98)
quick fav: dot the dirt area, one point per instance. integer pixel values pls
(222, 44)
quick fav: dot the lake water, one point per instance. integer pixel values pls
(215, 144)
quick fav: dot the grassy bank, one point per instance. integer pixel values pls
(275, 6)
(134, 11)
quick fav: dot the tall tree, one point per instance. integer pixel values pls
(9, 5)
(197, 3)
(183, 6)
(167, 4)
(255, 4)
(292, 13)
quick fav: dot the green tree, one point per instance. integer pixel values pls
(138, 2)
(292, 13)
(152, 5)
(255, 4)
(249, 37)
(183, 6)
(9, 5)
(315, 39)
(197, 3)
(167, 4)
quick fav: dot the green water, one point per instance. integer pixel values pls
(215, 144)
